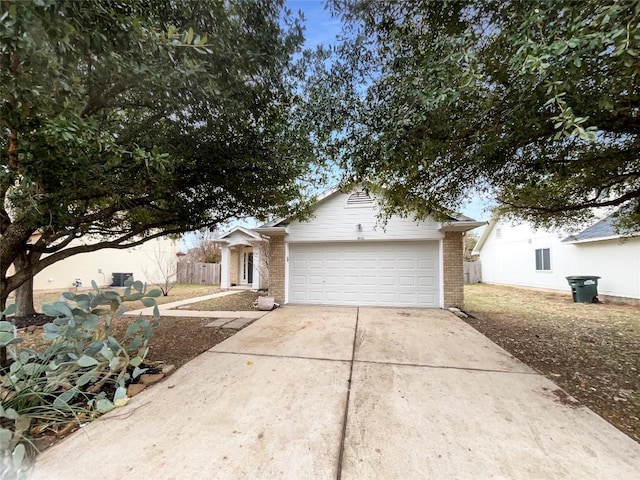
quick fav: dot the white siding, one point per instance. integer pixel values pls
(142, 261)
(334, 221)
(510, 260)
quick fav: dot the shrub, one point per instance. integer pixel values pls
(82, 372)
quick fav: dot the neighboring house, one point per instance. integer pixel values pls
(517, 254)
(341, 256)
(147, 262)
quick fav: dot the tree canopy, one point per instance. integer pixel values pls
(123, 121)
(536, 104)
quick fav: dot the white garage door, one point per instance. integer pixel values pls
(372, 273)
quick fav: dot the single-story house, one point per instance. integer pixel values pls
(344, 256)
(521, 255)
(148, 262)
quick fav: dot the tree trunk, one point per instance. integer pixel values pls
(24, 293)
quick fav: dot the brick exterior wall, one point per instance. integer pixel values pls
(234, 261)
(453, 270)
(277, 266)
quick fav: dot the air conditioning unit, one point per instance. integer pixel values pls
(118, 279)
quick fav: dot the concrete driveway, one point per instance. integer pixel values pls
(348, 393)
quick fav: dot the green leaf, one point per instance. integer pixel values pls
(10, 310)
(156, 292)
(6, 337)
(50, 310)
(62, 400)
(106, 352)
(121, 392)
(156, 312)
(11, 414)
(148, 302)
(6, 326)
(69, 295)
(17, 456)
(103, 405)
(94, 285)
(85, 378)
(138, 285)
(90, 322)
(86, 361)
(189, 38)
(138, 371)
(135, 361)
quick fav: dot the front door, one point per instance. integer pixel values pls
(247, 268)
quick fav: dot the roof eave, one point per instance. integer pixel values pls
(463, 226)
(271, 230)
(594, 239)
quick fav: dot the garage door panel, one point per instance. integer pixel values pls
(365, 273)
(407, 281)
(387, 264)
(426, 281)
(368, 264)
(386, 281)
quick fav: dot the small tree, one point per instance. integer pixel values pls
(263, 264)
(207, 250)
(164, 273)
(468, 244)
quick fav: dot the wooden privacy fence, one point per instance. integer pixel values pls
(472, 272)
(202, 273)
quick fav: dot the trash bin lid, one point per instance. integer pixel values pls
(582, 277)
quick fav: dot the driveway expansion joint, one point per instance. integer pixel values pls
(446, 367)
(346, 406)
(271, 355)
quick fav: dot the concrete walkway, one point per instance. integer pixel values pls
(347, 393)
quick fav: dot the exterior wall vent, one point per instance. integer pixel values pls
(359, 199)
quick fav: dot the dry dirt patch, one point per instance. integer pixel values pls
(237, 301)
(590, 350)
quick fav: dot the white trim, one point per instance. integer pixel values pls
(286, 272)
(596, 239)
(225, 272)
(441, 273)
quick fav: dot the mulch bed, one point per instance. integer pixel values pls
(37, 320)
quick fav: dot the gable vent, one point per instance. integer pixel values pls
(359, 198)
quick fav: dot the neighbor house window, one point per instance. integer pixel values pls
(543, 259)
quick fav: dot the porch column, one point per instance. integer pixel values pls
(225, 268)
(256, 266)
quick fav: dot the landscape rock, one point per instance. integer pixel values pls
(135, 388)
(168, 370)
(151, 378)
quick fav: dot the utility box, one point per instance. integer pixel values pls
(584, 288)
(118, 279)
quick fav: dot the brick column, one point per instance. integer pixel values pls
(277, 267)
(453, 270)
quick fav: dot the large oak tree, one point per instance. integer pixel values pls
(121, 121)
(534, 103)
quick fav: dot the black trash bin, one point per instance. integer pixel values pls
(584, 288)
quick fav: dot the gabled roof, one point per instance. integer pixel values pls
(602, 230)
(456, 222)
(248, 236)
(246, 231)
